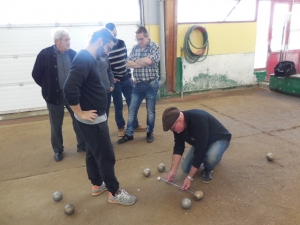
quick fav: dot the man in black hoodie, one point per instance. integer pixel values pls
(87, 97)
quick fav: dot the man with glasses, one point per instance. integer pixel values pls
(50, 71)
(207, 136)
(86, 95)
(144, 59)
(123, 81)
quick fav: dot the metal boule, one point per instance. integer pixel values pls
(147, 172)
(270, 156)
(69, 209)
(161, 167)
(186, 203)
(198, 195)
(57, 196)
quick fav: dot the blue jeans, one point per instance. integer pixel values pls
(212, 157)
(124, 87)
(139, 92)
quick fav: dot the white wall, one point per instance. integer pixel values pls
(218, 71)
(19, 48)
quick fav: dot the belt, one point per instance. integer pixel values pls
(147, 82)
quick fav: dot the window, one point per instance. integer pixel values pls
(294, 42)
(194, 11)
(68, 11)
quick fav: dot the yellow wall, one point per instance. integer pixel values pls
(224, 38)
(153, 31)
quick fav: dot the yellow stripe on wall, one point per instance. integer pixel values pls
(224, 38)
(153, 31)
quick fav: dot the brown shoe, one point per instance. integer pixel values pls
(139, 128)
(121, 132)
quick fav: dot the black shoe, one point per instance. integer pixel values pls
(207, 175)
(81, 150)
(125, 138)
(58, 156)
(150, 137)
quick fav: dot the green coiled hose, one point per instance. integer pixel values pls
(199, 56)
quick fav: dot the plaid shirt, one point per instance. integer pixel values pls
(150, 72)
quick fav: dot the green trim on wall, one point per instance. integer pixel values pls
(178, 74)
(260, 75)
(209, 82)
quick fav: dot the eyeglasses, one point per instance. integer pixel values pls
(139, 39)
(173, 127)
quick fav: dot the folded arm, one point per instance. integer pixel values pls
(139, 63)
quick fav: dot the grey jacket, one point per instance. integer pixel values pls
(107, 76)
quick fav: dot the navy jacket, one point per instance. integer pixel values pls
(84, 86)
(45, 74)
(202, 129)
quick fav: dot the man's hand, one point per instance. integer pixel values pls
(111, 89)
(170, 176)
(116, 80)
(186, 184)
(88, 115)
(84, 115)
(175, 162)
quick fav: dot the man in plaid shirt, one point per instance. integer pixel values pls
(144, 59)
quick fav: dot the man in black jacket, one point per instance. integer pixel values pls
(50, 71)
(207, 136)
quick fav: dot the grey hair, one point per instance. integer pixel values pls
(58, 35)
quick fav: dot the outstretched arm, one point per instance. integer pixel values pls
(175, 163)
(188, 180)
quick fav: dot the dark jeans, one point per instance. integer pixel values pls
(124, 87)
(56, 117)
(109, 94)
(100, 156)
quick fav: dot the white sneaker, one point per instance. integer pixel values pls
(97, 190)
(123, 198)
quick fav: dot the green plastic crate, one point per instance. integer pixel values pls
(288, 85)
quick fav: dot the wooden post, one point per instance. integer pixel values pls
(171, 44)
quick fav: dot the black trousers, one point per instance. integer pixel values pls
(100, 156)
(56, 117)
(109, 94)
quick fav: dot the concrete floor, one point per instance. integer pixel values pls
(247, 189)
